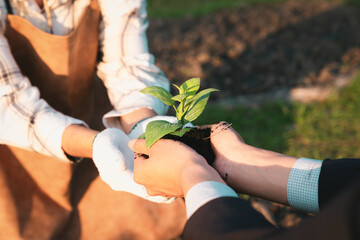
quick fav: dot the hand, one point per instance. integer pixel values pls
(170, 168)
(114, 161)
(226, 143)
(248, 169)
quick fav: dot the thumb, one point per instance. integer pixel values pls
(138, 146)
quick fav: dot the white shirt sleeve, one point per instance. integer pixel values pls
(26, 120)
(204, 192)
(127, 66)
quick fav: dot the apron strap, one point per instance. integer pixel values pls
(8, 7)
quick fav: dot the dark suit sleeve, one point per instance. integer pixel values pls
(335, 177)
(222, 218)
(339, 198)
(232, 218)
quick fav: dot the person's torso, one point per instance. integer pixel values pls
(65, 14)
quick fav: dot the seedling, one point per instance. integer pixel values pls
(188, 105)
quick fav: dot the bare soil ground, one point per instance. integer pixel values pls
(261, 49)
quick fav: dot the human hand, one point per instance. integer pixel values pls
(170, 168)
(114, 161)
(226, 143)
(248, 169)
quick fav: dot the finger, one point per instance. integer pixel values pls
(152, 192)
(224, 128)
(138, 146)
(219, 127)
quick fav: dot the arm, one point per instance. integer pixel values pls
(27, 121)
(127, 66)
(249, 169)
(277, 177)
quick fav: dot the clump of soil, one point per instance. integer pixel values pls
(199, 140)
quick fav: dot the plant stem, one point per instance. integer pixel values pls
(177, 113)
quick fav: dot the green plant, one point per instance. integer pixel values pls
(190, 105)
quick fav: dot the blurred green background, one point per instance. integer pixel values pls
(197, 8)
(328, 129)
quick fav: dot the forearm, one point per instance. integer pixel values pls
(128, 121)
(77, 141)
(257, 172)
(198, 173)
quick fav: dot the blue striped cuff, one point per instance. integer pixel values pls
(204, 192)
(303, 182)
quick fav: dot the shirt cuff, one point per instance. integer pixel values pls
(131, 103)
(303, 183)
(204, 192)
(50, 127)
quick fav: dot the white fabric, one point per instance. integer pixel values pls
(141, 126)
(204, 192)
(115, 163)
(303, 185)
(126, 68)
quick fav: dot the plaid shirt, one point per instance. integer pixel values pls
(27, 121)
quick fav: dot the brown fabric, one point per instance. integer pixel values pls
(43, 198)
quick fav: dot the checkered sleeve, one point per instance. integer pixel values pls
(303, 182)
(26, 120)
(127, 66)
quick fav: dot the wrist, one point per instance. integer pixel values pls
(128, 121)
(197, 172)
(223, 162)
(77, 141)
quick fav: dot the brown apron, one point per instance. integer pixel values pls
(44, 198)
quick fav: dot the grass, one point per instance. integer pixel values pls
(329, 129)
(196, 8)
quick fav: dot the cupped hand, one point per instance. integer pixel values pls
(114, 161)
(226, 143)
(170, 168)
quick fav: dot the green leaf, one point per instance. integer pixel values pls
(177, 87)
(198, 104)
(157, 129)
(159, 93)
(179, 97)
(181, 132)
(192, 85)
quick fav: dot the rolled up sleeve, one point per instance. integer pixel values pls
(127, 66)
(26, 120)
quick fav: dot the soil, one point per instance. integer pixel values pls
(199, 140)
(259, 49)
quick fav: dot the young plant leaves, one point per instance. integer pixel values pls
(191, 85)
(198, 104)
(190, 107)
(181, 132)
(157, 129)
(159, 93)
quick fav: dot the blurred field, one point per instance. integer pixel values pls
(197, 8)
(329, 129)
(175, 9)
